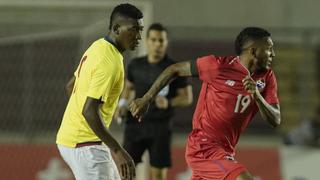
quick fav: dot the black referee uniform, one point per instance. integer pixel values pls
(154, 132)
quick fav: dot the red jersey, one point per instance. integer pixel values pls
(224, 107)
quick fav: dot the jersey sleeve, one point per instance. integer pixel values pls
(76, 72)
(207, 68)
(270, 94)
(101, 83)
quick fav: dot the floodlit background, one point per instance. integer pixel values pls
(41, 42)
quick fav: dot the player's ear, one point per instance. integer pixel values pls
(252, 52)
(116, 29)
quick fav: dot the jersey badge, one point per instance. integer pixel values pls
(260, 84)
(230, 82)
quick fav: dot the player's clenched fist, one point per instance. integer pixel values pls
(249, 85)
(139, 107)
(125, 164)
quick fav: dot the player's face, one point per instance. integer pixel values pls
(130, 33)
(157, 43)
(264, 54)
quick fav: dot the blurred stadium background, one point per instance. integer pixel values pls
(41, 42)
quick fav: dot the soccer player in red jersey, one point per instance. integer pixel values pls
(234, 89)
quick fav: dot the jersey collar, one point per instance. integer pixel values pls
(111, 42)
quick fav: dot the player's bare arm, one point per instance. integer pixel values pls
(139, 106)
(183, 98)
(70, 85)
(91, 114)
(269, 112)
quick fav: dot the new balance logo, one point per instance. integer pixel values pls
(230, 83)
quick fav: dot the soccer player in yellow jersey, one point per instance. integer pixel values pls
(83, 139)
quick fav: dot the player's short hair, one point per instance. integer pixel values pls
(247, 34)
(125, 10)
(157, 27)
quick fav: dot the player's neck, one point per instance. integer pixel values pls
(113, 41)
(247, 63)
(154, 59)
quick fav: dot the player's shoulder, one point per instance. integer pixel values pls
(227, 60)
(270, 73)
(207, 57)
(220, 60)
(104, 53)
(95, 49)
(99, 43)
(267, 72)
(103, 47)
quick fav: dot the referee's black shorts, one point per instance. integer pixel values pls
(153, 137)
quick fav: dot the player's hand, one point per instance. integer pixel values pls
(161, 102)
(139, 107)
(125, 164)
(250, 86)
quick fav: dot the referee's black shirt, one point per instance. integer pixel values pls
(143, 74)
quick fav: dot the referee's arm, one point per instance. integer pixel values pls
(127, 95)
(183, 98)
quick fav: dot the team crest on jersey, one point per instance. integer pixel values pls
(260, 84)
(230, 82)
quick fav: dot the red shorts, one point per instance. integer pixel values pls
(211, 162)
(216, 170)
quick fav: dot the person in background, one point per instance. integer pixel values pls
(307, 133)
(154, 133)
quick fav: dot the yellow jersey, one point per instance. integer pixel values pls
(100, 75)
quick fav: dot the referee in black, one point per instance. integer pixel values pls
(154, 132)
